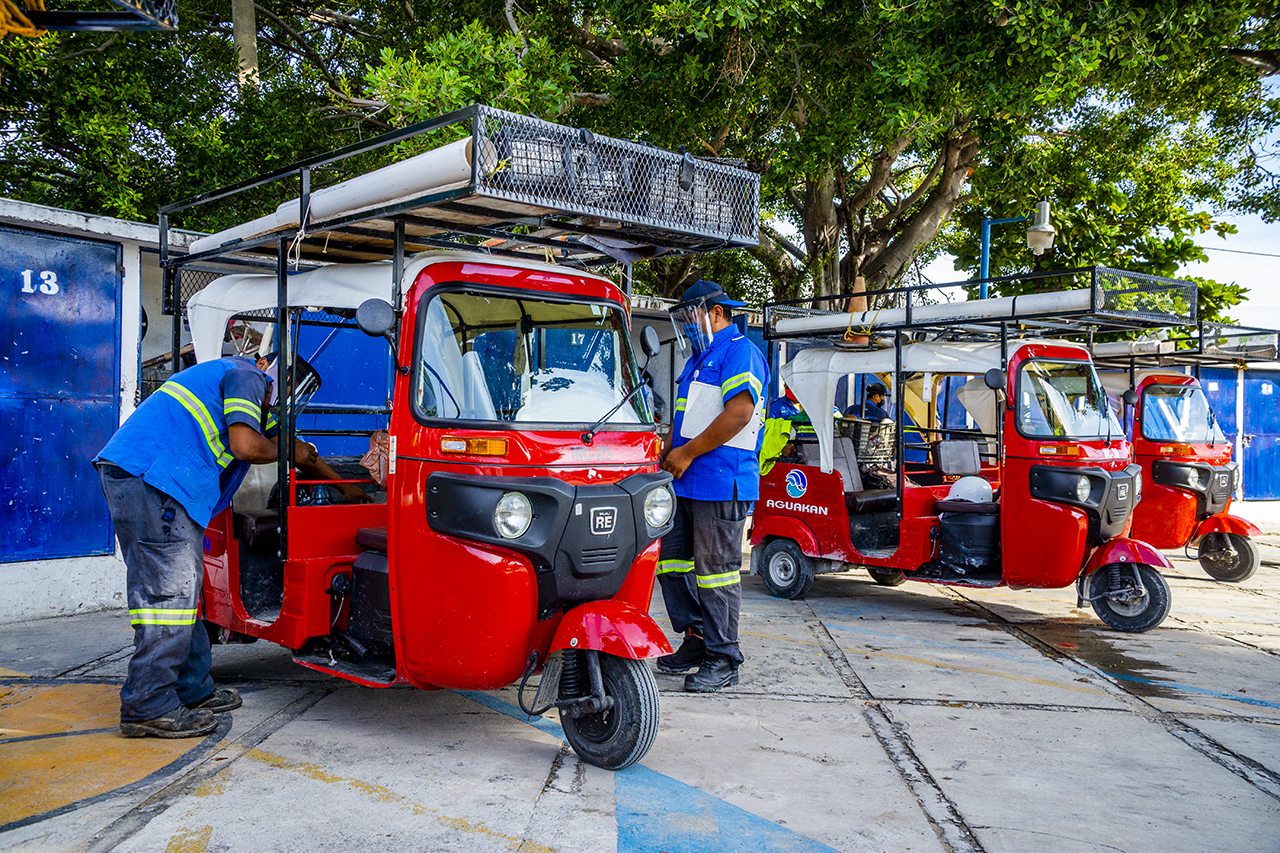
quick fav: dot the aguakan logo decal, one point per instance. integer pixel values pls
(797, 485)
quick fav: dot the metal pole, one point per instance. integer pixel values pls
(899, 398)
(284, 379)
(984, 258)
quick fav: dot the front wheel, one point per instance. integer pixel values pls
(1228, 556)
(619, 736)
(785, 570)
(1119, 602)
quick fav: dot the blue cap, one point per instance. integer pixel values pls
(710, 293)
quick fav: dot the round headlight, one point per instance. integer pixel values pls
(513, 515)
(1235, 479)
(1083, 487)
(1137, 485)
(658, 505)
(1193, 478)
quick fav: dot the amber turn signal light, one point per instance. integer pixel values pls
(474, 446)
(1059, 450)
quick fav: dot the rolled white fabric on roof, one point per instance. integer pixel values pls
(974, 309)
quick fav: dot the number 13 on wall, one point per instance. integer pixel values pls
(48, 281)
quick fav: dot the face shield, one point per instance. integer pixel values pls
(692, 322)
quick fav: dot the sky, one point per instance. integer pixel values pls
(1250, 257)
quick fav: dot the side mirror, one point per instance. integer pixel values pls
(996, 379)
(649, 341)
(1130, 397)
(376, 318)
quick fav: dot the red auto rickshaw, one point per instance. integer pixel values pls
(517, 527)
(1046, 449)
(1185, 457)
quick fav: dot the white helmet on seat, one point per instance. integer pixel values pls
(973, 489)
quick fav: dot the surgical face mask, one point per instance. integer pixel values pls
(692, 322)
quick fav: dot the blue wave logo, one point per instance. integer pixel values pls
(797, 485)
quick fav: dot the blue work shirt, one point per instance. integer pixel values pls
(731, 365)
(874, 412)
(177, 440)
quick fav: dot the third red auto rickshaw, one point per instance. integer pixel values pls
(1185, 457)
(1060, 486)
(517, 528)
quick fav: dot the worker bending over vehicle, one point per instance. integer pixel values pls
(713, 451)
(169, 469)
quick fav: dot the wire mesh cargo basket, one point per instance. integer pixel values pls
(873, 441)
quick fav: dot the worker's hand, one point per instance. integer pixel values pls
(354, 494)
(304, 453)
(677, 461)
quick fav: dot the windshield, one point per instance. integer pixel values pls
(1178, 413)
(1064, 400)
(488, 357)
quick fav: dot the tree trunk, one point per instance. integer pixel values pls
(244, 26)
(822, 233)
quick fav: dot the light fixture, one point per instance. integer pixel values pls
(1041, 233)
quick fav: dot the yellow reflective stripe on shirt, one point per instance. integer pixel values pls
(193, 405)
(713, 581)
(239, 404)
(667, 567)
(680, 404)
(162, 617)
(738, 381)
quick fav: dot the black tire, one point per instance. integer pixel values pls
(886, 577)
(1138, 614)
(1228, 556)
(620, 736)
(785, 570)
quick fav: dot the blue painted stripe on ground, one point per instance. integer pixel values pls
(1187, 687)
(657, 814)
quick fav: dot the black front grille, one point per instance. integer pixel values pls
(599, 556)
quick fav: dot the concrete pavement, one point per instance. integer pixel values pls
(869, 718)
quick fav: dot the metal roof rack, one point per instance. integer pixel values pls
(526, 187)
(1082, 301)
(1212, 345)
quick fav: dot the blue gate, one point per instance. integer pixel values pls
(59, 392)
(1262, 430)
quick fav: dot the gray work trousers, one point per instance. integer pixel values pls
(164, 553)
(699, 570)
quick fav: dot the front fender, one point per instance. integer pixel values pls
(1124, 550)
(1224, 524)
(612, 627)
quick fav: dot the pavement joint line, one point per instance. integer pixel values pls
(136, 819)
(1257, 775)
(937, 808)
(98, 662)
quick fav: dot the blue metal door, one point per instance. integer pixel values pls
(1262, 432)
(59, 392)
(1220, 386)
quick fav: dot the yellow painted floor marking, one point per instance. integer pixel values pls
(385, 795)
(190, 840)
(48, 773)
(941, 665)
(9, 673)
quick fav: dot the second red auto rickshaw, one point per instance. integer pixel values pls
(1040, 494)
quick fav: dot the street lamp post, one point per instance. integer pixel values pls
(1039, 238)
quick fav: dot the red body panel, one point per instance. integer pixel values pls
(464, 614)
(613, 627)
(1225, 524)
(1125, 550)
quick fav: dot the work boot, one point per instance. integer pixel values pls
(221, 700)
(180, 722)
(687, 657)
(717, 671)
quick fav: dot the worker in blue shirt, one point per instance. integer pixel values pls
(169, 469)
(873, 399)
(713, 451)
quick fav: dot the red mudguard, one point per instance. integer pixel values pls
(1224, 524)
(1124, 550)
(612, 627)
